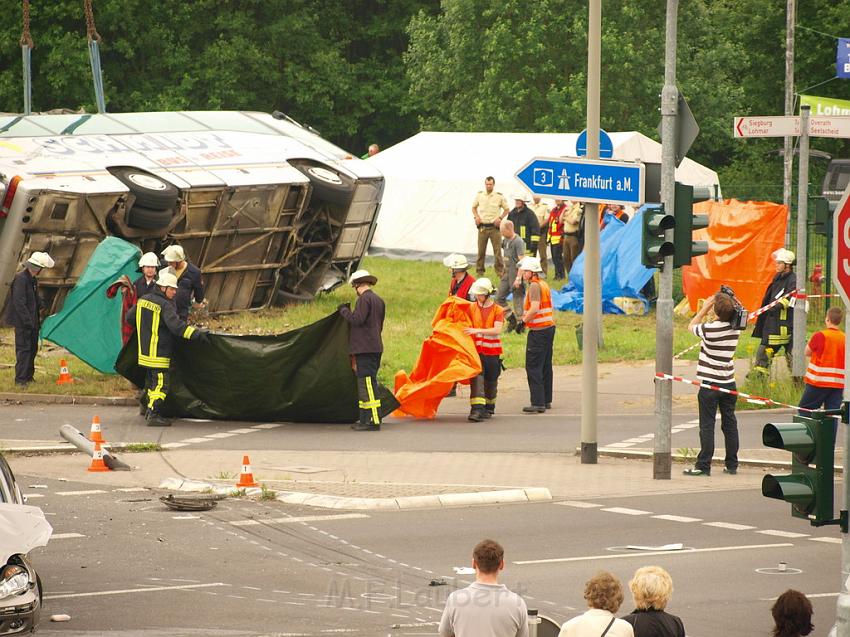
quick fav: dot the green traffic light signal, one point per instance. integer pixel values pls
(654, 247)
(685, 248)
(808, 489)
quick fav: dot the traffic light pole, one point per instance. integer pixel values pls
(662, 459)
(592, 265)
(798, 362)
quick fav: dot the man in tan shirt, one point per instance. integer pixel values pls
(572, 241)
(542, 211)
(488, 210)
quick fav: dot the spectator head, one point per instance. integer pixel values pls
(604, 591)
(374, 149)
(507, 228)
(724, 307)
(834, 316)
(792, 615)
(489, 184)
(535, 199)
(651, 588)
(519, 201)
(488, 557)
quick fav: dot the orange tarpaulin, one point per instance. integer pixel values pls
(447, 356)
(741, 237)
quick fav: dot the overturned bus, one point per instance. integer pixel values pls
(268, 210)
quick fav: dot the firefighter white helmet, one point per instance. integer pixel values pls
(784, 256)
(456, 262)
(362, 276)
(149, 258)
(41, 260)
(174, 253)
(167, 279)
(532, 264)
(482, 286)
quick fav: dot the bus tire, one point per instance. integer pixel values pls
(145, 218)
(328, 185)
(151, 192)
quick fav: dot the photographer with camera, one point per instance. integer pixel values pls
(717, 349)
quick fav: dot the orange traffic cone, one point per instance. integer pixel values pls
(64, 375)
(246, 478)
(97, 463)
(96, 434)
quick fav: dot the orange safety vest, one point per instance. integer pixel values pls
(826, 368)
(544, 316)
(487, 344)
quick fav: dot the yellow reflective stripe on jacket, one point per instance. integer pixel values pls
(187, 333)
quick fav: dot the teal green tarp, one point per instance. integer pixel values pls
(89, 323)
(300, 376)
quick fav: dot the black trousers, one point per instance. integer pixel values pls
(538, 365)
(709, 401)
(26, 346)
(558, 260)
(156, 388)
(485, 386)
(368, 402)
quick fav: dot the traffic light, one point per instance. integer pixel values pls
(654, 247)
(809, 487)
(686, 222)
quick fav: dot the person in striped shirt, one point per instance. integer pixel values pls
(715, 367)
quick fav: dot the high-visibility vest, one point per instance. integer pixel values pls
(826, 368)
(544, 316)
(487, 344)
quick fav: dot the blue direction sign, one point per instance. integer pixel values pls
(606, 146)
(596, 181)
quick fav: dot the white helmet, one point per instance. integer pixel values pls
(521, 197)
(456, 262)
(784, 256)
(174, 253)
(362, 276)
(167, 278)
(482, 286)
(532, 264)
(149, 258)
(41, 260)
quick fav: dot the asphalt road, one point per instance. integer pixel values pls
(122, 562)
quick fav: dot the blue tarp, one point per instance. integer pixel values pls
(622, 272)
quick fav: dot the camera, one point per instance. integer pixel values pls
(741, 317)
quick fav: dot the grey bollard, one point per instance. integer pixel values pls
(76, 438)
(533, 622)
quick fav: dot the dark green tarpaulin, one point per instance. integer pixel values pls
(300, 376)
(89, 323)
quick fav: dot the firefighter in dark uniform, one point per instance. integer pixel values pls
(365, 346)
(24, 314)
(189, 281)
(157, 327)
(149, 266)
(775, 326)
(526, 224)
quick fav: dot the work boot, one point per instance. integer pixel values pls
(359, 426)
(534, 409)
(143, 409)
(154, 419)
(475, 415)
(486, 414)
(548, 406)
(490, 409)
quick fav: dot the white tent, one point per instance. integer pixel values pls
(432, 178)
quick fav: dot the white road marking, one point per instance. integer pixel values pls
(809, 595)
(642, 554)
(626, 511)
(90, 492)
(618, 445)
(193, 441)
(730, 525)
(247, 430)
(174, 445)
(788, 534)
(828, 540)
(578, 504)
(222, 434)
(676, 518)
(185, 517)
(134, 590)
(65, 536)
(295, 520)
(268, 425)
(131, 489)
(29, 496)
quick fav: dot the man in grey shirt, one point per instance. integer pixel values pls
(513, 248)
(485, 608)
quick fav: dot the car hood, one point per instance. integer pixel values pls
(22, 528)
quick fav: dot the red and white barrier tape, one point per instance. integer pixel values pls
(740, 394)
(822, 296)
(756, 313)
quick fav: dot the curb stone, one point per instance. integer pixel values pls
(505, 496)
(63, 399)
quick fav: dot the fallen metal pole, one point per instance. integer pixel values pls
(78, 439)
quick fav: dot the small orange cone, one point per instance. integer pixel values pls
(97, 463)
(246, 478)
(64, 375)
(96, 435)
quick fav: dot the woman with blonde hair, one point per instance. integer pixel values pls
(604, 594)
(651, 589)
